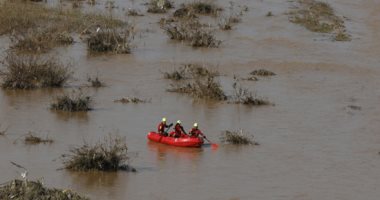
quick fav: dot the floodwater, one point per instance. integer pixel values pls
(313, 144)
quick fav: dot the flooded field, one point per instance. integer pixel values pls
(320, 139)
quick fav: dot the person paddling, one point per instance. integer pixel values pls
(161, 127)
(178, 130)
(195, 132)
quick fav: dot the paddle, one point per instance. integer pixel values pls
(212, 144)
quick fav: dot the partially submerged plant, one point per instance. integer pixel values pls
(111, 154)
(33, 139)
(25, 189)
(109, 40)
(192, 32)
(159, 6)
(204, 7)
(202, 88)
(237, 137)
(188, 71)
(318, 16)
(134, 12)
(243, 96)
(262, 72)
(95, 82)
(73, 102)
(131, 100)
(32, 71)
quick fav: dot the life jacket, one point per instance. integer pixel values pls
(161, 127)
(194, 132)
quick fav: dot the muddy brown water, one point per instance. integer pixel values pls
(313, 144)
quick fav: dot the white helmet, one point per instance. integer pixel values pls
(164, 119)
(195, 124)
(178, 121)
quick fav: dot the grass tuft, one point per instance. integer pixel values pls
(73, 102)
(262, 72)
(109, 155)
(32, 71)
(24, 189)
(237, 137)
(32, 139)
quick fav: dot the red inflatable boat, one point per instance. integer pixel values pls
(179, 142)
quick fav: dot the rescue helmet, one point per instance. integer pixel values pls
(195, 124)
(178, 121)
(164, 119)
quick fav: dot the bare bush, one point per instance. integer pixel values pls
(111, 154)
(237, 137)
(32, 71)
(73, 102)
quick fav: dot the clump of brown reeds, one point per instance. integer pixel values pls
(201, 87)
(95, 82)
(159, 6)
(109, 40)
(237, 137)
(319, 17)
(244, 96)
(262, 72)
(72, 102)
(33, 71)
(30, 138)
(134, 100)
(188, 71)
(25, 189)
(192, 32)
(111, 154)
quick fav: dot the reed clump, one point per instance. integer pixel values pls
(244, 96)
(202, 88)
(262, 72)
(73, 102)
(111, 154)
(25, 189)
(192, 32)
(109, 40)
(318, 16)
(159, 6)
(188, 71)
(134, 100)
(237, 137)
(30, 138)
(33, 71)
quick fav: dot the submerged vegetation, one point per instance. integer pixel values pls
(73, 102)
(188, 71)
(24, 189)
(320, 17)
(243, 96)
(32, 139)
(109, 155)
(95, 82)
(159, 6)
(262, 72)
(237, 137)
(131, 100)
(33, 71)
(37, 28)
(109, 40)
(191, 31)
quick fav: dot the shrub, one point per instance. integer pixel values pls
(31, 71)
(203, 88)
(19, 189)
(262, 72)
(72, 102)
(131, 100)
(95, 82)
(108, 155)
(109, 40)
(188, 71)
(237, 137)
(243, 96)
(32, 139)
(159, 6)
(191, 31)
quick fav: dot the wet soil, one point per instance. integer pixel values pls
(312, 144)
